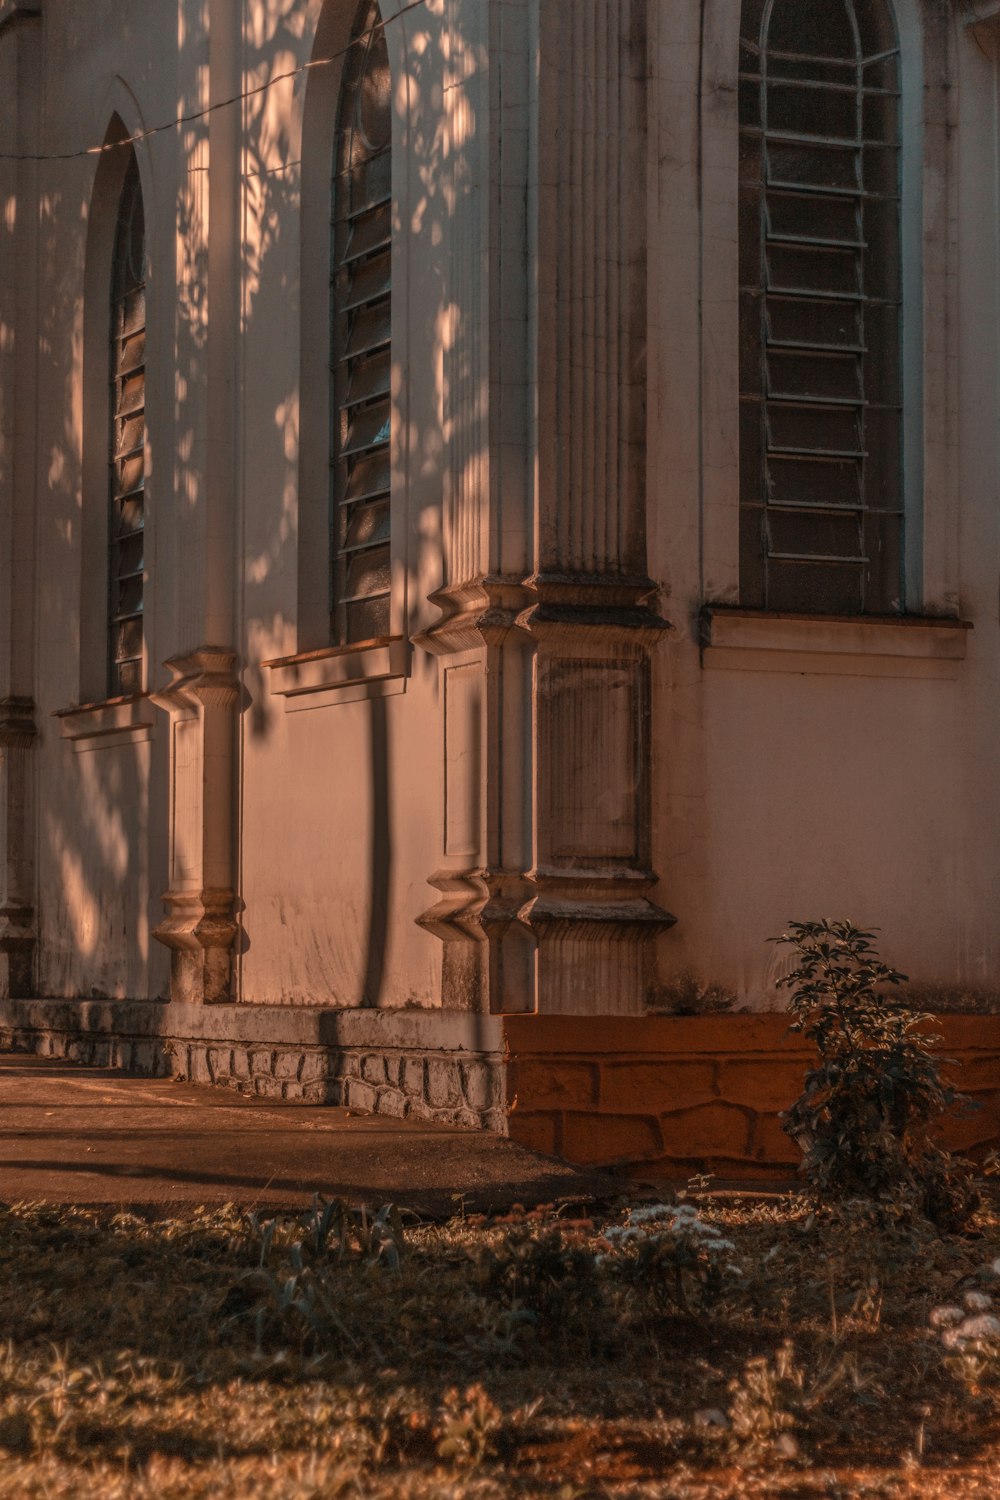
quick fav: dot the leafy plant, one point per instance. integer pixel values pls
(765, 1401)
(970, 1332)
(673, 1255)
(468, 1425)
(865, 1118)
(301, 1308)
(545, 1275)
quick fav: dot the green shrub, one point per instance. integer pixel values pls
(671, 1255)
(865, 1118)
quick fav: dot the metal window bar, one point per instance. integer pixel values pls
(126, 517)
(788, 418)
(361, 305)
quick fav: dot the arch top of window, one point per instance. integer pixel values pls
(841, 34)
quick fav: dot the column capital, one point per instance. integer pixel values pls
(201, 678)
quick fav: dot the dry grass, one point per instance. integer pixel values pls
(155, 1357)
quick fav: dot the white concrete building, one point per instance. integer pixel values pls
(499, 511)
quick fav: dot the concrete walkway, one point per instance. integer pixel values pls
(71, 1134)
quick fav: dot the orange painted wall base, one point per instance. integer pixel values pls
(669, 1096)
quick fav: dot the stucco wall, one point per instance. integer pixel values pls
(784, 782)
(798, 783)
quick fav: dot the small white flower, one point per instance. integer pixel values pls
(650, 1213)
(946, 1317)
(982, 1327)
(710, 1416)
(978, 1301)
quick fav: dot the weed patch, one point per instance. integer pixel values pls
(701, 1348)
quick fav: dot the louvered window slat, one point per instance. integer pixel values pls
(820, 379)
(126, 520)
(362, 322)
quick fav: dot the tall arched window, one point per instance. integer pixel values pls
(361, 358)
(820, 381)
(128, 435)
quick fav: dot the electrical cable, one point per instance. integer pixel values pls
(200, 114)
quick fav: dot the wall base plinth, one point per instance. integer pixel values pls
(670, 1096)
(424, 1065)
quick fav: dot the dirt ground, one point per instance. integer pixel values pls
(708, 1347)
(70, 1134)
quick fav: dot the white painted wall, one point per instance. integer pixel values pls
(863, 791)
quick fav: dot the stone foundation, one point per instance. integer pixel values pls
(660, 1096)
(430, 1065)
(669, 1096)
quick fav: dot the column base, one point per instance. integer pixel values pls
(200, 931)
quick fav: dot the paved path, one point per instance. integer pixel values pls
(71, 1134)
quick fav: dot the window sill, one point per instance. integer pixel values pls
(116, 721)
(854, 646)
(340, 674)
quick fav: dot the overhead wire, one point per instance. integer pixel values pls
(200, 114)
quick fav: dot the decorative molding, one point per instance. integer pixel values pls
(200, 679)
(487, 962)
(117, 721)
(200, 926)
(474, 615)
(335, 667)
(756, 640)
(569, 608)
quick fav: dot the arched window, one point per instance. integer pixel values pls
(820, 381)
(360, 356)
(128, 434)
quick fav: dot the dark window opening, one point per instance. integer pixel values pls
(361, 364)
(128, 436)
(821, 507)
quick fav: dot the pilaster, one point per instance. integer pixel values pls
(202, 695)
(200, 926)
(593, 621)
(484, 659)
(485, 665)
(590, 911)
(548, 616)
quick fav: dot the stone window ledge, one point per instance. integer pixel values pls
(365, 669)
(855, 646)
(116, 721)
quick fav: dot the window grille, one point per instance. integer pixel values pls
(128, 432)
(820, 377)
(361, 361)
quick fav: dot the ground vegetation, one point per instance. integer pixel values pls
(704, 1346)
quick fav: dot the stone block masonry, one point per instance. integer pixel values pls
(669, 1096)
(659, 1096)
(425, 1065)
